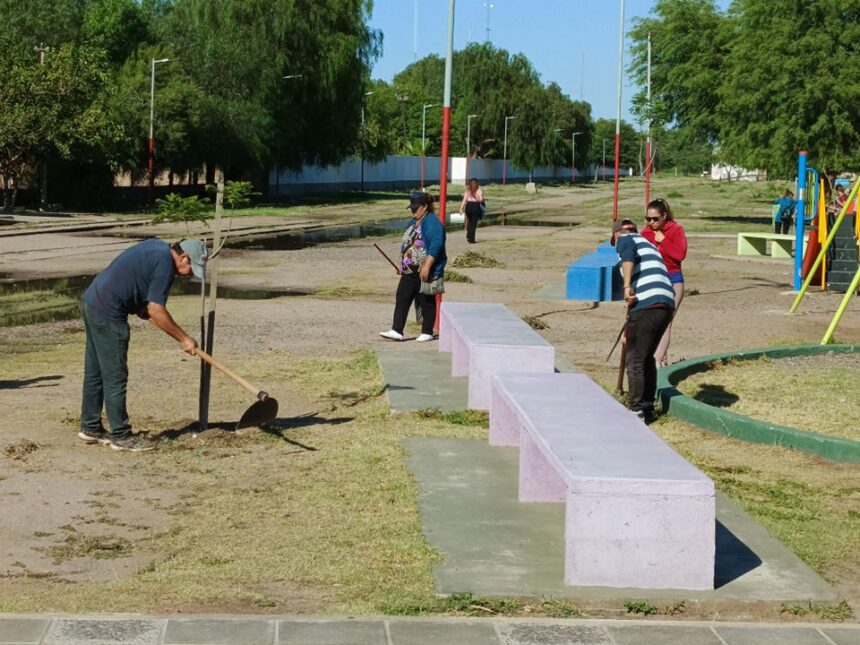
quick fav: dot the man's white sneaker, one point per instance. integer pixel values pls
(391, 335)
(423, 338)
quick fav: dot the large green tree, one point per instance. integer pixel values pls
(791, 82)
(604, 140)
(55, 110)
(237, 54)
(687, 52)
(491, 84)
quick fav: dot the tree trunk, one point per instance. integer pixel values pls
(43, 185)
(7, 195)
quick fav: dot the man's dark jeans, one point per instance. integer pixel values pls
(105, 372)
(644, 330)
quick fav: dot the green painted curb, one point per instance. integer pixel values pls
(742, 427)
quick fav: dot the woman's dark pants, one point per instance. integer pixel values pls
(409, 289)
(105, 373)
(644, 330)
(473, 214)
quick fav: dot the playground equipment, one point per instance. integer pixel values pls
(852, 232)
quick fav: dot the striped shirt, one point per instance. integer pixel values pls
(650, 279)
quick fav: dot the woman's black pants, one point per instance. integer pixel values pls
(473, 214)
(409, 289)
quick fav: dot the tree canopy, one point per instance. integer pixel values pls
(759, 82)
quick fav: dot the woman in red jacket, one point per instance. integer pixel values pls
(669, 238)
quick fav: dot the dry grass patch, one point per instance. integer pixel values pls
(473, 259)
(810, 504)
(767, 389)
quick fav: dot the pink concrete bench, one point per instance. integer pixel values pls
(637, 513)
(486, 339)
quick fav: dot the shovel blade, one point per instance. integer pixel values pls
(259, 414)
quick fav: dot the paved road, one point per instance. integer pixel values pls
(237, 630)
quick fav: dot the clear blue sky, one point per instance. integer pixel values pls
(553, 34)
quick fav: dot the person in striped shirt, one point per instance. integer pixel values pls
(650, 305)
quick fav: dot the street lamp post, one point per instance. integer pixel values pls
(505, 153)
(366, 94)
(468, 141)
(155, 61)
(423, 137)
(573, 157)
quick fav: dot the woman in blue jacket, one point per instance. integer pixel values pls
(422, 266)
(784, 215)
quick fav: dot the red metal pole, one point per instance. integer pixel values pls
(446, 132)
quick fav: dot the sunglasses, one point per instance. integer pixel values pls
(654, 219)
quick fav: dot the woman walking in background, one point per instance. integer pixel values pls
(668, 236)
(471, 206)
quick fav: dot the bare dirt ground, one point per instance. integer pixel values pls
(69, 508)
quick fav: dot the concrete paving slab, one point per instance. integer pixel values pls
(468, 490)
(842, 635)
(332, 632)
(771, 635)
(427, 383)
(421, 384)
(430, 632)
(219, 632)
(554, 290)
(664, 635)
(537, 634)
(70, 631)
(22, 630)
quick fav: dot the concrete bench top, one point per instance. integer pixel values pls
(768, 236)
(492, 324)
(595, 444)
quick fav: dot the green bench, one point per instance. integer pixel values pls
(756, 244)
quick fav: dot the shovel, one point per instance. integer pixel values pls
(260, 413)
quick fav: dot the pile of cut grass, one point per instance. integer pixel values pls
(472, 259)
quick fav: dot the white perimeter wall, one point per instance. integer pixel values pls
(400, 172)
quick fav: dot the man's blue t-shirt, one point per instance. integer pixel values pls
(137, 276)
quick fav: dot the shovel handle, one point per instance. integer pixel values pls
(619, 384)
(226, 370)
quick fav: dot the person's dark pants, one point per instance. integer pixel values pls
(105, 373)
(644, 330)
(782, 226)
(409, 289)
(473, 214)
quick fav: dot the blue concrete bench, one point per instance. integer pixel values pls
(486, 339)
(637, 513)
(594, 276)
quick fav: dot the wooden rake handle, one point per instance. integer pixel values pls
(226, 370)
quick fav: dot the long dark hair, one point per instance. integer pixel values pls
(661, 206)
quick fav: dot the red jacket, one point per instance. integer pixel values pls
(673, 248)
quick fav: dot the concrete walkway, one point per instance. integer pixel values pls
(272, 630)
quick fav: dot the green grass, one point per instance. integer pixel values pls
(811, 505)
(27, 307)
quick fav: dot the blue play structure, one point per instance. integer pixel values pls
(595, 276)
